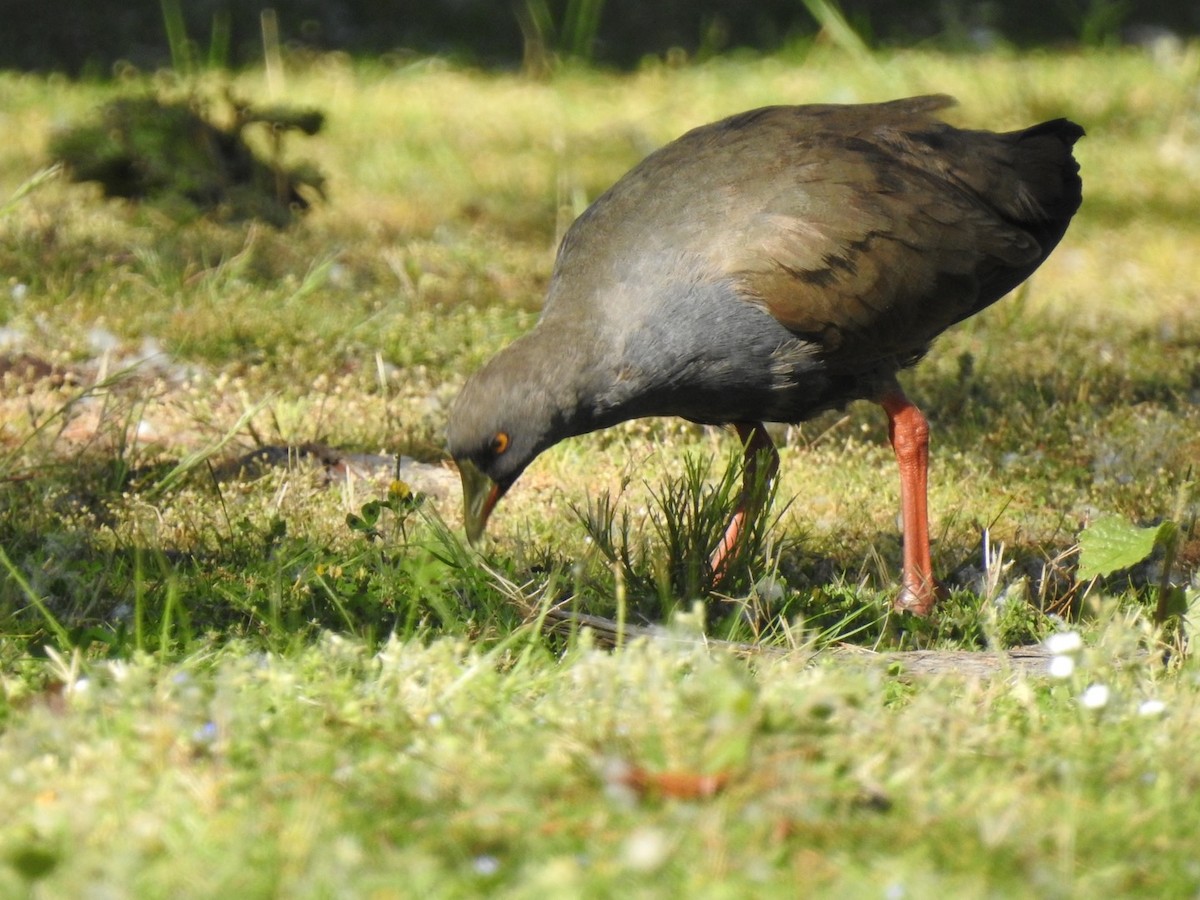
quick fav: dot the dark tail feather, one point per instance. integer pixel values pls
(1051, 188)
(1042, 193)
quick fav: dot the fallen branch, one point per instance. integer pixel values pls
(1033, 660)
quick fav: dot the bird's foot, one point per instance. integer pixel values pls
(920, 597)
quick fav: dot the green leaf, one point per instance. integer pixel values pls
(1110, 544)
(370, 512)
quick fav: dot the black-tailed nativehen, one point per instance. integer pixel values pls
(768, 267)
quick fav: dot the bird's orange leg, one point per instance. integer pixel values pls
(757, 446)
(909, 433)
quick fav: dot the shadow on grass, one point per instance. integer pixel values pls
(1063, 413)
(73, 580)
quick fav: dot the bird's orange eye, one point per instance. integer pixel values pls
(500, 442)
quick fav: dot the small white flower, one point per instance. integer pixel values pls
(1152, 707)
(646, 849)
(81, 686)
(485, 865)
(1064, 642)
(1095, 697)
(1062, 667)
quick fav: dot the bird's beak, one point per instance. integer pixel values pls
(480, 495)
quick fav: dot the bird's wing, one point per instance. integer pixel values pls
(869, 245)
(867, 229)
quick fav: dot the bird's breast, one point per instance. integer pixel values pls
(703, 353)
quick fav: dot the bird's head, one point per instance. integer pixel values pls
(507, 413)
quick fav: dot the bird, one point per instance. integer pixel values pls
(769, 267)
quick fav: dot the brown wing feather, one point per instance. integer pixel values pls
(883, 245)
(868, 229)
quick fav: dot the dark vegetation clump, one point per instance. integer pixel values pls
(172, 153)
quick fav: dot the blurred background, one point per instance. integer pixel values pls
(91, 38)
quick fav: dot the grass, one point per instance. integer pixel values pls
(303, 683)
(334, 770)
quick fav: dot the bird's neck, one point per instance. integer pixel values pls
(568, 363)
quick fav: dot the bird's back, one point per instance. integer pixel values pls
(863, 230)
